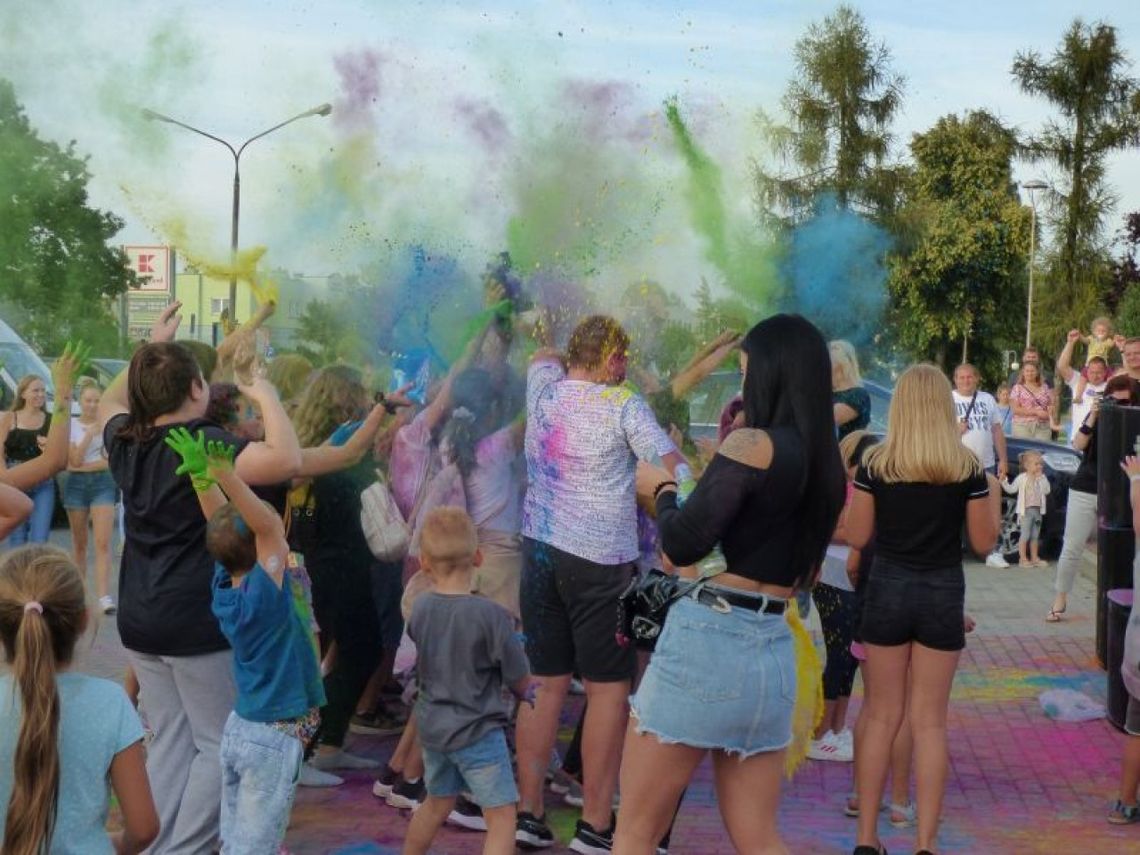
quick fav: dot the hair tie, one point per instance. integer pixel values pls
(240, 526)
(463, 414)
(33, 606)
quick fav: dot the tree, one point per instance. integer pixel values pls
(1125, 269)
(57, 270)
(1099, 110)
(959, 270)
(841, 104)
(322, 332)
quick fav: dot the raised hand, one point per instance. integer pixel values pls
(192, 451)
(219, 457)
(1073, 335)
(66, 369)
(1131, 466)
(167, 324)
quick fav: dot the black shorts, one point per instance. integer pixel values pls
(924, 606)
(569, 615)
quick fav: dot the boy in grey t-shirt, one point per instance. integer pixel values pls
(467, 652)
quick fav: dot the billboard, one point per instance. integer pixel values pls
(154, 266)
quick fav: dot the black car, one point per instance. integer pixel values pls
(1061, 462)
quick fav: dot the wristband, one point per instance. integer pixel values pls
(1085, 429)
(1134, 478)
(664, 485)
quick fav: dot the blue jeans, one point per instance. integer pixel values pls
(260, 767)
(37, 527)
(482, 769)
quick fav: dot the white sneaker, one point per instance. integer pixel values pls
(847, 739)
(994, 559)
(311, 777)
(107, 605)
(830, 747)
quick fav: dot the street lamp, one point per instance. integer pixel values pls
(1031, 186)
(152, 116)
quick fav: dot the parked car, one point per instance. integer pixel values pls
(1061, 461)
(17, 359)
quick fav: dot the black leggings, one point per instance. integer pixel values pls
(838, 612)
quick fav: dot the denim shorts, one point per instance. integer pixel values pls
(718, 680)
(82, 490)
(905, 604)
(260, 768)
(482, 769)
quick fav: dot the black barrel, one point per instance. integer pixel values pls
(1118, 430)
(1119, 610)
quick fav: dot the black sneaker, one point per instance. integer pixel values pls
(388, 779)
(467, 814)
(589, 841)
(407, 795)
(532, 832)
(379, 722)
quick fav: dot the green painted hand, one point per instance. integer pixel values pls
(219, 457)
(192, 451)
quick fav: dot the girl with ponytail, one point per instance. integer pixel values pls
(63, 735)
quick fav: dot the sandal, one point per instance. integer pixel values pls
(1054, 615)
(851, 809)
(908, 812)
(1122, 814)
(870, 850)
(1040, 562)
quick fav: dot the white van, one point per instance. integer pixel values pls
(17, 359)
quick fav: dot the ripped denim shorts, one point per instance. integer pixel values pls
(719, 680)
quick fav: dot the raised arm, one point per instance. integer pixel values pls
(191, 450)
(277, 458)
(53, 459)
(440, 405)
(267, 527)
(1064, 366)
(114, 400)
(704, 363)
(324, 459)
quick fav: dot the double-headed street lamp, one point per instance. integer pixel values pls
(151, 115)
(1031, 186)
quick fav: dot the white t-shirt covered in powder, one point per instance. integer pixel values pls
(583, 441)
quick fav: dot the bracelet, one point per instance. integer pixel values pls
(1134, 478)
(664, 485)
(1085, 429)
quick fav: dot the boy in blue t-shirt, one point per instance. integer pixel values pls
(467, 653)
(263, 613)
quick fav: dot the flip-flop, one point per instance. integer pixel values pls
(1054, 616)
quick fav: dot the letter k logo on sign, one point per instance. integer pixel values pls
(146, 264)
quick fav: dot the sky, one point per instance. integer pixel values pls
(449, 119)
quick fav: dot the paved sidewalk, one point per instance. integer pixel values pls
(1019, 782)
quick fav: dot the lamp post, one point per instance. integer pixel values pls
(152, 116)
(1031, 186)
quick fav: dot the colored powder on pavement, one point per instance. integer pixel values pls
(995, 685)
(748, 264)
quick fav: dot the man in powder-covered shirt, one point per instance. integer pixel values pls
(585, 433)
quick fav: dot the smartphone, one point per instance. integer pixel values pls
(412, 367)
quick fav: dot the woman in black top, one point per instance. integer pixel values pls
(913, 492)
(23, 432)
(1080, 511)
(723, 676)
(851, 402)
(181, 659)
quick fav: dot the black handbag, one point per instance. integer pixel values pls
(644, 605)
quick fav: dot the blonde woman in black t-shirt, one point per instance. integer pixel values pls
(913, 492)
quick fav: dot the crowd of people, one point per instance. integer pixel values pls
(297, 547)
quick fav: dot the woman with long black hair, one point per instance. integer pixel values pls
(723, 676)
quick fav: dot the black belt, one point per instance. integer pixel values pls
(718, 597)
